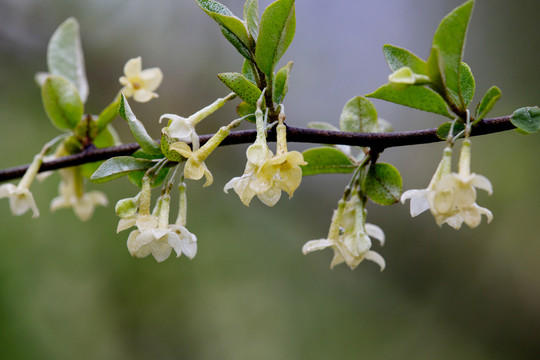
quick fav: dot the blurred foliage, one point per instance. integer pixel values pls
(71, 290)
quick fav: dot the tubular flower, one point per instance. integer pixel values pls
(423, 199)
(20, 198)
(349, 236)
(250, 183)
(140, 84)
(155, 236)
(181, 128)
(72, 194)
(455, 194)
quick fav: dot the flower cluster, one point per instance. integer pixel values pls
(350, 236)
(451, 197)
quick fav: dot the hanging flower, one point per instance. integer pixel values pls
(72, 194)
(182, 129)
(140, 84)
(251, 183)
(20, 199)
(349, 236)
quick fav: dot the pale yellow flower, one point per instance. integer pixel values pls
(140, 84)
(286, 167)
(195, 168)
(72, 194)
(251, 183)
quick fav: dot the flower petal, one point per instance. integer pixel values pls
(161, 250)
(482, 182)
(314, 245)
(133, 67)
(376, 258)
(375, 232)
(152, 78)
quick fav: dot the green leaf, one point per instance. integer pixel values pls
(467, 83)
(444, 129)
(65, 56)
(488, 101)
(251, 17)
(107, 137)
(359, 115)
(449, 38)
(62, 102)
(326, 160)
(281, 83)
(119, 166)
(527, 119)
(320, 125)
(232, 28)
(108, 114)
(434, 69)
(244, 109)
(247, 71)
(135, 177)
(137, 128)
(241, 86)
(383, 184)
(276, 33)
(414, 96)
(397, 58)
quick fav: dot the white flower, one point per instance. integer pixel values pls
(140, 84)
(149, 238)
(349, 237)
(251, 183)
(20, 199)
(72, 194)
(182, 129)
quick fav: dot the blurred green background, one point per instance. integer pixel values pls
(70, 290)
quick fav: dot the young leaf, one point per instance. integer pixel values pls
(449, 38)
(397, 58)
(244, 109)
(251, 17)
(383, 184)
(467, 83)
(276, 33)
(232, 28)
(119, 166)
(137, 128)
(417, 97)
(326, 160)
(241, 86)
(488, 101)
(247, 71)
(65, 56)
(444, 129)
(359, 115)
(62, 102)
(434, 69)
(281, 83)
(108, 114)
(527, 119)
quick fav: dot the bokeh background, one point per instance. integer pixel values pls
(70, 290)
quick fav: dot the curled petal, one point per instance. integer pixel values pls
(419, 201)
(482, 182)
(314, 245)
(376, 258)
(375, 232)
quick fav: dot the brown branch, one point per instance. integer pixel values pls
(380, 141)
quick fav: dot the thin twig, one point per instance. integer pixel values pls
(380, 141)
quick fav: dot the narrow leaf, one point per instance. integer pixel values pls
(276, 33)
(232, 28)
(527, 119)
(326, 160)
(65, 56)
(281, 83)
(467, 83)
(449, 38)
(251, 17)
(383, 184)
(119, 166)
(417, 97)
(359, 115)
(241, 86)
(137, 128)
(397, 58)
(62, 103)
(488, 101)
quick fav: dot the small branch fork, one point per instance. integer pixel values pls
(380, 141)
